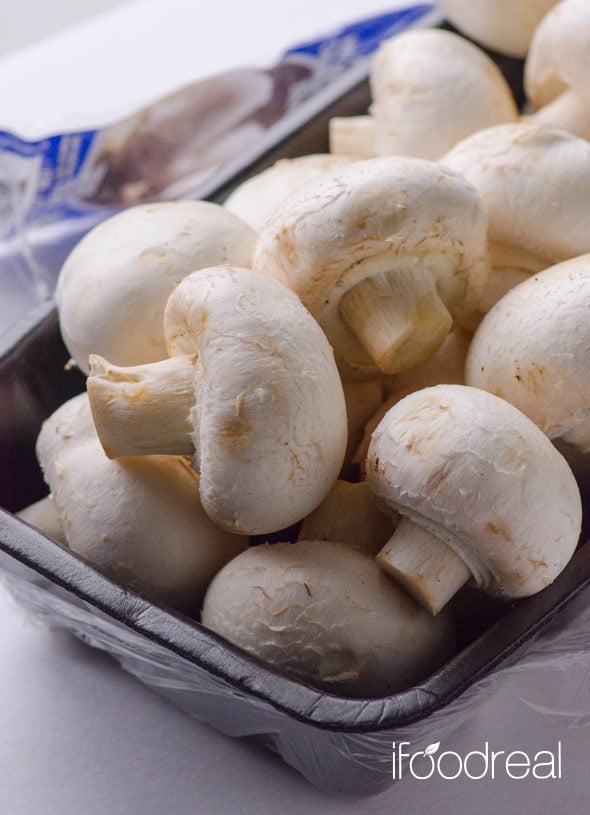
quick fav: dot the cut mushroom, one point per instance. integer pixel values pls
(258, 197)
(113, 286)
(327, 613)
(484, 495)
(532, 349)
(267, 425)
(349, 514)
(534, 180)
(503, 25)
(383, 253)
(557, 69)
(137, 520)
(430, 89)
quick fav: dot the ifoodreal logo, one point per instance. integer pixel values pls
(475, 765)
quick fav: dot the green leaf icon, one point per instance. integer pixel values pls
(432, 748)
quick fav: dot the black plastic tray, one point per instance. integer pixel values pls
(342, 745)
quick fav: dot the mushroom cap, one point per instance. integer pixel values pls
(534, 180)
(432, 88)
(559, 54)
(504, 25)
(409, 211)
(270, 416)
(69, 426)
(328, 613)
(138, 520)
(474, 471)
(348, 514)
(259, 196)
(446, 367)
(112, 289)
(43, 515)
(531, 348)
(363, 398)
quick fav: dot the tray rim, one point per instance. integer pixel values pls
(295, 697)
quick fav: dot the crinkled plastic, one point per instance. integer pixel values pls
(345, 746)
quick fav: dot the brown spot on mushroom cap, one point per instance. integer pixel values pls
(539, 563)
(236, 429)
(498, 528)
(534, 377)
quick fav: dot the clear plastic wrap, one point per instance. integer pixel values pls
(344, 746)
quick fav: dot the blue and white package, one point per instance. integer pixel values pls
(54, 189)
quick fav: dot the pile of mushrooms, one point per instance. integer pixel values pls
(316, 412)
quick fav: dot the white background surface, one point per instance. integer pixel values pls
(78, 735)
(101, 70)
(32, 20)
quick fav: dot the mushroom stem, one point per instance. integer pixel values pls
(352, 136)
(143, 409)
(569, 111)
(424, 565)
(398, 316)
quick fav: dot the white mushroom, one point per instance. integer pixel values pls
(113, 287)
(446, 367)
(327, 613)
(430, 89)
(349, 514)
(557, 69)
(352, 136)
(260, 195)
(43, 515)
(532, 349)
(383, 253)
(484, 495)
(363, 398)
(71, 427)
(534, 180)
(137, 520)
(262, 411)
(503, 25)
